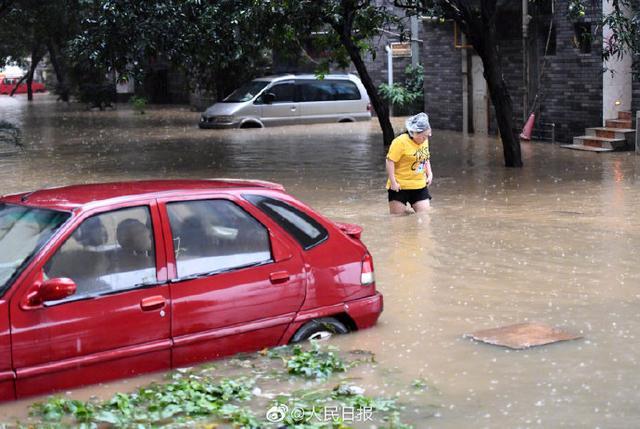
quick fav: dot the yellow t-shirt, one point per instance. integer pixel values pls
(410, 159)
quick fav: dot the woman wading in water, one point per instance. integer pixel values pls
(409, 168)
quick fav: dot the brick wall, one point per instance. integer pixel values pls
(378, 66)
(572, 95)
(570, 88)
(635, 97)
(442, 76)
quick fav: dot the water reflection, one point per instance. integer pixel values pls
(555, 242)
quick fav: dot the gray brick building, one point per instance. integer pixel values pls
(566, 76)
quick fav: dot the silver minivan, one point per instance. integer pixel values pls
(291, 99)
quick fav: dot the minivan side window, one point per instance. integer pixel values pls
(327, 90)
(108, 252)
(316, 91)
(284, 92)
(346, 90)
(215, 235)
(302, 227)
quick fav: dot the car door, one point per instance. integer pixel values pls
(283, 109)
(117, 322)
(6, 372)
(235, 285)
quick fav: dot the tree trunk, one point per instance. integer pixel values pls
(35, 60)
(504, 107)
(15, 88)
(378, 103)
(59, 65)
(481, 31)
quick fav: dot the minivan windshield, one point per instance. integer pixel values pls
(23, 230)
(246, 92)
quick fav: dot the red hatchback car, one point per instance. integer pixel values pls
(8, 84)
(110, 280)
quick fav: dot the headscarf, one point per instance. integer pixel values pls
(418, 123)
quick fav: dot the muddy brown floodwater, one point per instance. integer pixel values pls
(554, 242)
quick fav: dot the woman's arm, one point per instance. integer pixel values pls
(429, 172)
(391, 170)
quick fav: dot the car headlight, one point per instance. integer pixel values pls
(223, 119)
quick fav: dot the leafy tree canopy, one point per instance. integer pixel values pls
(205, 39)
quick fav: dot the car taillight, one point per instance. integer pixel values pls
(368, 107)
(367, 277)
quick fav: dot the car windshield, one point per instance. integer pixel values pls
(23, 230)
(246, 92)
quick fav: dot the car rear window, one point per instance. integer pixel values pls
(302, 227)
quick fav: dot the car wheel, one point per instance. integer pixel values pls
(250, 124)
(319, 330)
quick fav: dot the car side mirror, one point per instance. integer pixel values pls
(52, 290)
(268, 97)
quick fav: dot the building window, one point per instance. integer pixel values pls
(582, 38)
(545, 7)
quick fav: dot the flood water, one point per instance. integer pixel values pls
(554, 242)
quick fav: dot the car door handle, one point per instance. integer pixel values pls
(153, 303)
(279, 277)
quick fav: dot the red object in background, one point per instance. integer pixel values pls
(8, 84)
(320, 271)
(528, 127)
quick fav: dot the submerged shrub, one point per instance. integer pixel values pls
(139, 104)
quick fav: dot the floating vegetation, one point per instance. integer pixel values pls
(419, 384)
(196, 397)
(314, 363)
(187, 397)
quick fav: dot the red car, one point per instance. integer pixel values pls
(110, 280)
(7, 84)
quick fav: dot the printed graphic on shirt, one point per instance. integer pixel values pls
(422, 156)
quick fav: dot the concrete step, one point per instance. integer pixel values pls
(602, 142)
(618, 123)
(625, 115)
(612, 133)
(585, 148)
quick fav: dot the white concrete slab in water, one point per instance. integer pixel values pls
(522, 335)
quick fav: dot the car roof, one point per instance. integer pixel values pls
(75, 196)
(344, 76)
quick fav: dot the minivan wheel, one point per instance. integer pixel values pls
(250, 125)
(319, 330)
